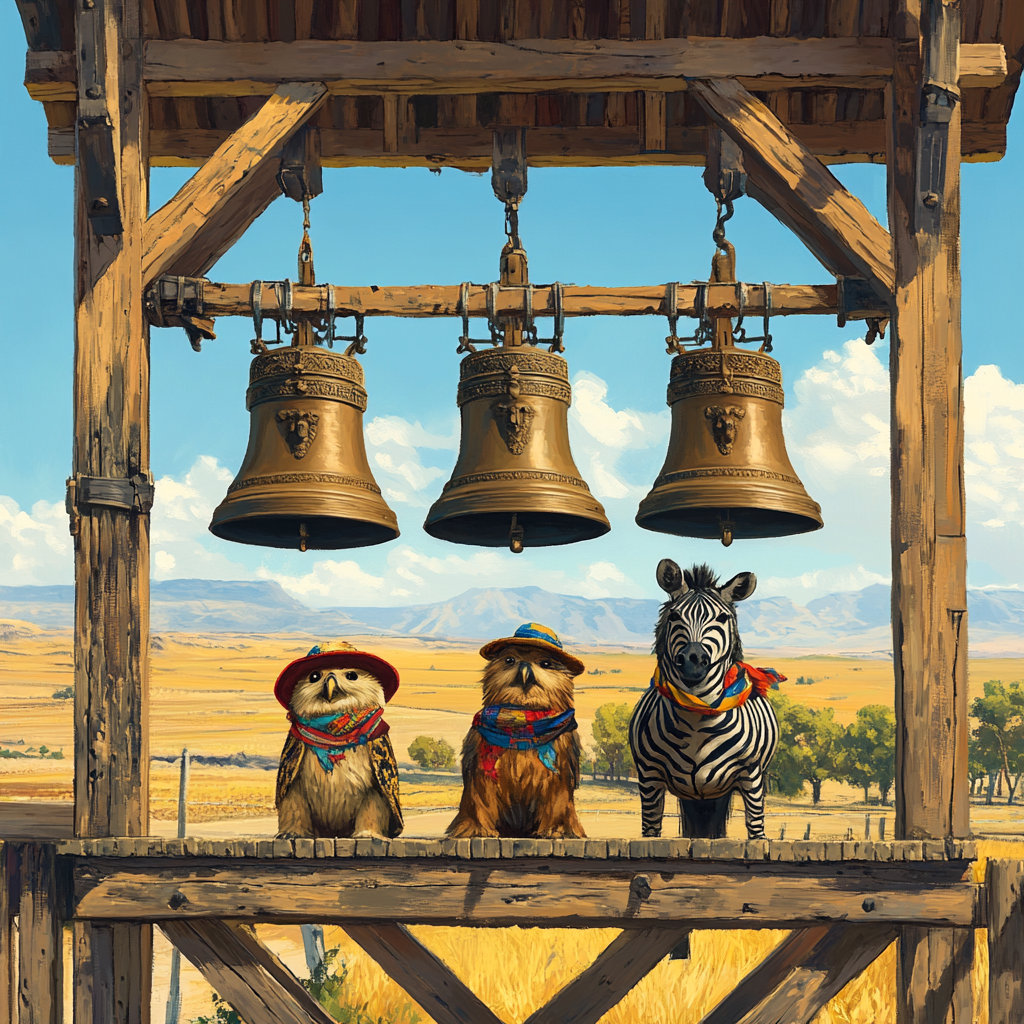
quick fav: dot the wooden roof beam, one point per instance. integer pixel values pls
(195, 67)
(217, 204)
(791, 182)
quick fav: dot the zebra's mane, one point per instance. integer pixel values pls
(698, 577)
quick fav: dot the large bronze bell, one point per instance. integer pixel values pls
(727, 474)
(304, 481)
(515, 482)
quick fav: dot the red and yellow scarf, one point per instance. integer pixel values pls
(740, 682)
(329, 736)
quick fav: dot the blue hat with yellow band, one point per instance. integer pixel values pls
(533, 634)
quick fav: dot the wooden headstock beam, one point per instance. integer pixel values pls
(791, 182)
(217, 204)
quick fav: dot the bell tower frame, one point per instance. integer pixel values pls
(420, 84)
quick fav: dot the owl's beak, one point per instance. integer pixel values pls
(331, 687)
(526, 677)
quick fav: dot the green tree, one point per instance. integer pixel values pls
(611, 738)
(1000, 715)
(868, 750)
(429, 752)
(809, 747)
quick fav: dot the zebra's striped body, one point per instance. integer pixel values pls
(695, 756)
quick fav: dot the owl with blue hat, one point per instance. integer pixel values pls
(521, 758)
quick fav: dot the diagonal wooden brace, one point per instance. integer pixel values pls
(802, 974)
(620, 967)
(423, 975)
(790, 181)
(212, 210)
(244, 972)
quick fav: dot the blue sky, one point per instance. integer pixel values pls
(590, 226)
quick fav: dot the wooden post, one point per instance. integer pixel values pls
(929, 587)
(1004, 881)
(40, 949)
(7, 1010)
(111, 442)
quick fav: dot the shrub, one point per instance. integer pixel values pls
(429, 752)
(68, 693)
(328, 988)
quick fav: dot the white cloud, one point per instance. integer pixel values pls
(400, 453)
(164, 562)
(35, 547)
(809, 585)
(341, 583)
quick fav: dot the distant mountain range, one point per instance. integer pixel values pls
(851, 622)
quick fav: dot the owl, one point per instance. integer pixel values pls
(521, 758)
(338, 775)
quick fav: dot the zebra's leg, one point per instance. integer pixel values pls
(751, 787)
(652, 806)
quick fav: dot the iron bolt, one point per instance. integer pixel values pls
(930, 199)
(94, 92)
(868, 905)
(100, 204)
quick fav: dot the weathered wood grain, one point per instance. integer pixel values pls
(8, 976)
(221, 299)
(495, 891)
(786, 178)
(211, 211)
(1004, 880)
(422, 974)
(38, 819)
(40, 951)
(629, 958)
(228, 965)
(795, 982)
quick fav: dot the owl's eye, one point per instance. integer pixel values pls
(315, 677)
(351, 676)
(510, 660)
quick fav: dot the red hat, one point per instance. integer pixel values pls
(338, 654)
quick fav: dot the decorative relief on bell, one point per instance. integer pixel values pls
(512, 416)
(298, 430)
(723, 421)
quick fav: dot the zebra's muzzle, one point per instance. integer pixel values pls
(694, 661)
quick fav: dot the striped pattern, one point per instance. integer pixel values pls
(695, 756)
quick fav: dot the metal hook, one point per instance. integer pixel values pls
(465, 344)
(766, 344)
(672, 344)
(330, 315)
(559, 331)
(739, 332)
(257, 345)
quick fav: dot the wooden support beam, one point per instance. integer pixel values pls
(443, 300)
(41, 21)
(495, 893)
(192, 67)
(8, 992)
(211, 211)
(41, 952)
(1004, 882)
(228, 963)
(929, 586)
(423, 975)
(629, 958)
(800, 976)
(111, 440)
(787, 179)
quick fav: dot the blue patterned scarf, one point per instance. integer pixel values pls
(505, 726)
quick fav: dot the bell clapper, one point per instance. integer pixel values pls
(303, 536)
(516, 535)
(726, 526)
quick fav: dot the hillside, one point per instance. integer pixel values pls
(851, 622)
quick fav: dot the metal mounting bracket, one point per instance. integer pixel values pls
(129, 494)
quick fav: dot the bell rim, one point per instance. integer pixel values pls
(273, 538)
(578, 529)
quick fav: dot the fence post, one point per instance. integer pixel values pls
(174, 992)
(1004, 883)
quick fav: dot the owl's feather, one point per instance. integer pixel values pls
(288, 769)
(385, 770)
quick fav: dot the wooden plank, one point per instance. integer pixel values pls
(37, 819)
(786, 178)
(427, 889)
(933, 975)
(221, 299)
(196, 67)
(629, 958)
(231, 970)
(211, 211)
(40, 949)
(422, 974)
(1004, 882)
(8, 981)
(795, 981)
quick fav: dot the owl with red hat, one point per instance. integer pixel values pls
(338, 776)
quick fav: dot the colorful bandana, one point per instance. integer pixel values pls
(505, 726)
(740, 681)
(329, 736)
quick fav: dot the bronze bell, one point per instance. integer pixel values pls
(727, 474)
(305, 481)
(515, 482)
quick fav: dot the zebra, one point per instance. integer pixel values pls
(702, 756)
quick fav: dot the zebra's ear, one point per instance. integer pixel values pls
(738, 588)
(670, 577)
